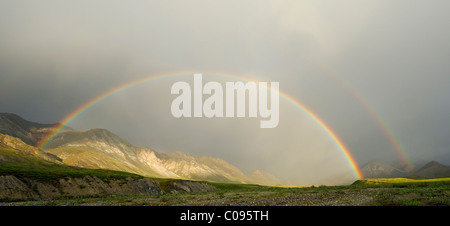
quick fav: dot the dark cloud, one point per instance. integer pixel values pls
(55, 56)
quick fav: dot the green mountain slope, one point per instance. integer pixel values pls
(29, 132)
(25, 165)
(101, 149)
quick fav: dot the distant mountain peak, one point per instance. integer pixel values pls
(22, 122)
(99, 139)
(29, 132)
(431, 164)
(432, 169)
(381, 169)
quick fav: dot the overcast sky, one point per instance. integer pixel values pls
(335, 57)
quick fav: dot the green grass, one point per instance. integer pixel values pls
(236, 187)
(29, 166)
(434, 192)
(378, 192)
(398, 180)
(409, 192)
(54, 172)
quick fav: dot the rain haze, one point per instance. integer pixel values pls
(377, 73)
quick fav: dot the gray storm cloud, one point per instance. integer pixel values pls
(56, 55)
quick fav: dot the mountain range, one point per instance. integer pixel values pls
(102, 149)
(421, 170)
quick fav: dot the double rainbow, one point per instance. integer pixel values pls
(86, 106)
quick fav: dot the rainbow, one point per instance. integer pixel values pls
(334, 137)
(74, 114)
(384, 126)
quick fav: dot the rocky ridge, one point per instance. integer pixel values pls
(14, 189)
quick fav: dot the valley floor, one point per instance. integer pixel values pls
(366, 193)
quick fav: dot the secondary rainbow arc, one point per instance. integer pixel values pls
(399, 149)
